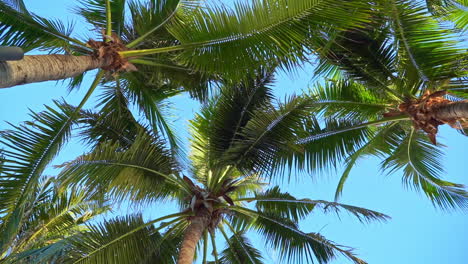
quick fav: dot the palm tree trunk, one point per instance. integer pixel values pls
(39, 68)
(456, 111)
(192, 235)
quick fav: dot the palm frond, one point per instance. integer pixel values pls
(94, 12)
(458, 14)
(221, 40)
(141, 172)
(347, 99)
(269, 132)
(18, 5)
(121, 240)
(239, 250)
(362, 54)
(295, 245)
(55, 215)
(114, 122)
(275, 202)
(149, 95)
(420, 162)
(56, 252)
(223, 118)
(376, 146)
(29, 31)
(428, 53)
(28, 150)
(149, 19)
(322, 148)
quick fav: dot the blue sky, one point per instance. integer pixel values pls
(417, 233)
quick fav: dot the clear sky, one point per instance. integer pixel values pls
(417, 233)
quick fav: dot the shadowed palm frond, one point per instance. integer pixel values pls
(363, 54)
(94, 12)
(295, 245)
(269, 132)
(55, 252)
(239, 250)
(18, 5)
(224, 117)
(149, 19)
(114, 122)
(322, 147)
(150, 95)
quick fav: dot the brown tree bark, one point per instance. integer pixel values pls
(39, 68)
(192, 235)
(456, 111)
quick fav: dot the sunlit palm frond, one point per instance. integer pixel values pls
(57, 216)
(323, 146)
(427, 52)
(141, 172)
(421, 164)
(29, 31)
(28, 150)
(458, 13)
(221, 40)
(347, 99)
(121, 240)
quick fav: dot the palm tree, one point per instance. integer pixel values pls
(235, 141)
(381, 100)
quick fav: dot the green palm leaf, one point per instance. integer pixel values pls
(94, 12)
(284, 205)
(239, 250)
(29, 31)
(221, 40)
(428, 52)
(324, 147)
(224, 117)
(269, 132)
(420, 161)
(142, 172)
(121, 240)
(29, 149)
(295, 245)
(347, 99)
